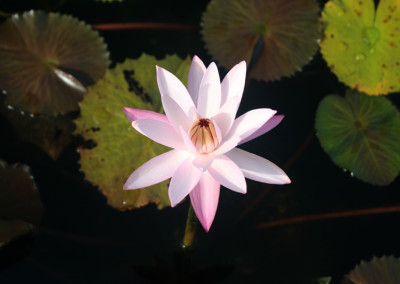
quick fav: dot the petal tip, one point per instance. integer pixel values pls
(196, 58)
(206, 224)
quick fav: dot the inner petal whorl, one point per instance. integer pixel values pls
(203, 135)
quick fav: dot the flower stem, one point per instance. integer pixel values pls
(190, 230)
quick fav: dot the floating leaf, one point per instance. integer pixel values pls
(119, 148)
(47, 60)
(280, 35)
(51, 134)
(361, 45)
(361, 134)
(20, 206)
(384, 270)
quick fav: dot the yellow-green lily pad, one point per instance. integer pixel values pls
(47, 60)
(119, 148)
(280, 36)
(20, 206)
(362, 44)
(361, 134)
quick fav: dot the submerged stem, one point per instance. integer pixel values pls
(190, 230)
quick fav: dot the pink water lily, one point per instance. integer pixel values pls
(201, 128)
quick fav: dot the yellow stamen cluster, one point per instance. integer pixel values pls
(203, 135)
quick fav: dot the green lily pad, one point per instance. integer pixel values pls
(20, 206)
(361, 134)
(51, 134)
(48, 60)
(119, 148)
(385, 270)
(361, 45)
(279, 35)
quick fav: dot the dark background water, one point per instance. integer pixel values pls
(83, 240)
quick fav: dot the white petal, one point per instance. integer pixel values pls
(270, 124)
(156, 170)
(196, 73)
(209, 100)
(227, 145)
(183, 181)
(257, 168)
(233, 83)
(175, 114)
(203, 161)
(204, 198)
(160, 132)
(187, 141)
(226, 115)
(170, 86)
(227, 173)
(250, 122)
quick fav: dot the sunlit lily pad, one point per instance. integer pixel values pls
(51, 134)
(119, 148)
(280, 35)
(361, 134)
(48, 60)
(362, 45)
(385, 270)
(20, 207)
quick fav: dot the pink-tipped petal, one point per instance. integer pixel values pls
(257, 168)
(233, 83)
(170, 86)
(135, 114)
(226, 115)
(156, 170)
(175, 114)
(209, 100)
(183, 180)
(227, 173)
(250, 122)
(196, 73)
(204, 198)
(160, 132)
(270, 124)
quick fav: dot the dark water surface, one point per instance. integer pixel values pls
(83, 240)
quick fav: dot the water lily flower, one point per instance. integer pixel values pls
(201, 128)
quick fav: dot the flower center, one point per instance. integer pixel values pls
(203, 135)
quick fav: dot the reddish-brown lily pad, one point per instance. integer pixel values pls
(20, 206)
(281, 35)
(48, 60)
(385, 270)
